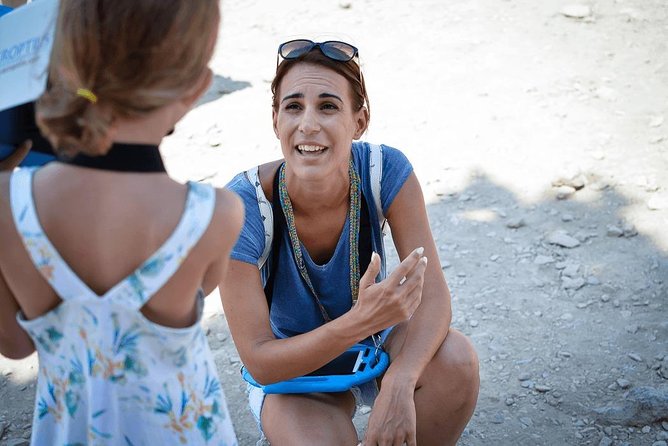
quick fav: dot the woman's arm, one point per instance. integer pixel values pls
(271, 360)
(14, 341)
(407, 217)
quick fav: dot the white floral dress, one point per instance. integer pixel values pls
(107, 375)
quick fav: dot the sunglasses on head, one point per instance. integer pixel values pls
(334, 49)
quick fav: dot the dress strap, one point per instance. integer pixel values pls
(42, 253)
(146, 280)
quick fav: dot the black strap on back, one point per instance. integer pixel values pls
(364, 246)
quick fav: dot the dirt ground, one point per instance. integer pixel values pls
(539, 131)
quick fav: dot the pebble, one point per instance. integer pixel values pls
(660, 443)
(605, 441)
(662, 435)
(543, 260)
(494, 257)
(657, 203)
(473, 323)
(664, 425)
(563, 239)
(567, 217)
(614, 231)
(515, 223)
(641, 406)
(524, 376)
(542, 388)
(635, 357)
(497, 418)
(528, 422)
(572, 284)
(571, 270)
(623, 383)
(646, 430)
(563, 192)
(656, 121)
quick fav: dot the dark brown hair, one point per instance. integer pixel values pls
(350, 70)
(135, 56)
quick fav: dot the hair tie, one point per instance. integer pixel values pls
(87, 94)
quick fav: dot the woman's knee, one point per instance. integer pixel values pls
(457, 359)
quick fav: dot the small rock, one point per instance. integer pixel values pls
(572, 284)
(629, 230)
(623, 383)
(662, 435)
(605, 298)
(660, 443)
(542, 388)
(563, 239)
(656, 121)
(593, 280)
(605, 441)
(646, 430)
(567, 217)
(515, 223)
(664, 425)
(642, 406)
(524, 376)
(543, 260)
(614, 231)
(528, 422)
(635, 357)
(657, 203)
(566, 317)
(563, 192)
(564, 354)
(497, 418)
(494, 257)
(571, 270)
(473, 323)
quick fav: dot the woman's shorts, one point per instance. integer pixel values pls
(365, 394)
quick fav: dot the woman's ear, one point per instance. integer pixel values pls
(274, 118)
(362, 122)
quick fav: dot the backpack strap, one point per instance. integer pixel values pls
(266, 213)
(376, 174)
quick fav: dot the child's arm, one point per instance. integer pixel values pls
(14, 341)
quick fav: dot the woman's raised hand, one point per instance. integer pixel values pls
(396, 298)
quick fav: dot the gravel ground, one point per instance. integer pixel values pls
(538, 132)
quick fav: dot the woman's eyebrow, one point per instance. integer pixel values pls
(329, 95)
(301, 95)
(292, 96)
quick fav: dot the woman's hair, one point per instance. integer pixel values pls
(135, 56)
(349, 70)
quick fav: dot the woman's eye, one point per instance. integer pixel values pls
(292, 106)
(329, 106)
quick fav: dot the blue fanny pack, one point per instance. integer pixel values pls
(357, 365)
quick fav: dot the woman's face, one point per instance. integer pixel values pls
(315, 121)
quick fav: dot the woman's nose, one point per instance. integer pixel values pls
(309, 122)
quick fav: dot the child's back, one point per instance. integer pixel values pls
(108, 268)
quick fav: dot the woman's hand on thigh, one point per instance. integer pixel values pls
(393, 420)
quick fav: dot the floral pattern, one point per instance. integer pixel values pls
(108, 375)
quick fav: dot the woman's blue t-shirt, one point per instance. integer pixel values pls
(293, 308)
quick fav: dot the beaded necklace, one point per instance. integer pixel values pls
(353, 216)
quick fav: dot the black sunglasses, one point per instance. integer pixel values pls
(334, 49)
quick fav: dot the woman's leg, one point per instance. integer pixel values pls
(447, 391)
(309, 419)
